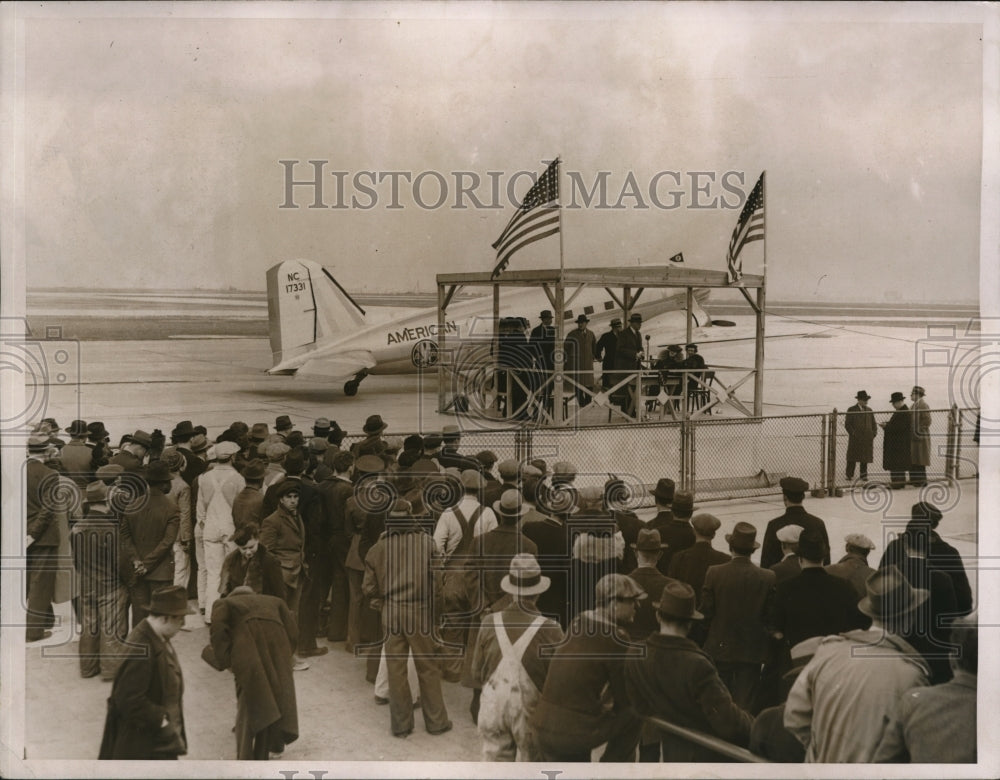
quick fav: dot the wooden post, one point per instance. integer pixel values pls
(758, 362)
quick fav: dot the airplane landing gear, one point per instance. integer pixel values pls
(351, 386)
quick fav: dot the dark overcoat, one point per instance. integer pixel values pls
(734, 600)
(284, 536)
(254, 635)
(691, 564)
(149, 684)
(148, 531)
(815, 604)
(896, 441)
(861, 431)
(770, 551)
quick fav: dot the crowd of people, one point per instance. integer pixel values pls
(574, 624)
(526, 359)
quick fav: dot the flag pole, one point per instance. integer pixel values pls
(557, 400)
(758, 379)
(559, 203)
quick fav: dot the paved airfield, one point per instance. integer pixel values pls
(214, 381)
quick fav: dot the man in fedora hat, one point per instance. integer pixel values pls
(283, 426)
(398, 580)
(628, 357)
(581, 350)
(501, 544)
(606, 351)
(863, 673)
(735, 600)
(677, 682)
(76, 456)
(542, 344)
(217, 489)
(43, 537)
(672, 520)
(373, 443)
(133, 452)
(896, 442)
(148, 531)
(97, 442)
(572, 716)
(648, 550)
(145, 717)
(793, 493)
(859, 422)
(508, 665)
(920, 437)
(451, 439)
(690, 565)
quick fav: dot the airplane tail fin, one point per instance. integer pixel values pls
(306, 307)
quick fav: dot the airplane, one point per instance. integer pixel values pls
(318, 330)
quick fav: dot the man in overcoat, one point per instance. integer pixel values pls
(920, 437)
(145, 717)
(854, 567)
(896, 442)
(42, 537)
(691, 564)
(793, 492)
(581, 348)
(859, 422)
(254, 635)
(628, 358)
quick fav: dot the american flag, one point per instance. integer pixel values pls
(749, 227)
(535, 219)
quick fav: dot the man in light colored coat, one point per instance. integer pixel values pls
(217, 489)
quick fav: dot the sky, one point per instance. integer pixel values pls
(153, 138)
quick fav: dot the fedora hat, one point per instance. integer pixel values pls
(38, 442)
(318, 444)
(616, 322)
(743, 537)
(897, 396)
(451, 433)
(174, 459)
(158, 471)
(259, 432)
(582, 318)
(509, 504)
(545, 314)
(635, 318)
(283, 423)
(683, 502)
(77, 428)
(889, 595)
(183, 428)
(649, 541)
(96, 431)
(374, 424)
(321, 426)
(255, 469)
(677, 601)
(664, 490)
(862, 395)
(525, 577)
(198, 443)
(141, 438)
(171, 600)
(96, 492)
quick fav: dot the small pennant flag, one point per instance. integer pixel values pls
(678, 258)
(535, 219)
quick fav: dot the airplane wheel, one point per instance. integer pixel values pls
(351, 388)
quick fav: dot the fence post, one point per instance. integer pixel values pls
(685, 454)
(951, 444)
(824, 433)
(831, 457)
(693, 459)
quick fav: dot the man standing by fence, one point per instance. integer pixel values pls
(861, 431)
(920, 437)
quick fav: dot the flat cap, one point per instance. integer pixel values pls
(706, 524)
(617, 586)
(860, 541)
(276, 451)
(508, 468)
(789, 534)
(226, 449)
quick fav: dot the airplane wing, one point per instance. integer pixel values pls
(339, 366)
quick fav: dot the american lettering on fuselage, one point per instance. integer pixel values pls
(430, 330)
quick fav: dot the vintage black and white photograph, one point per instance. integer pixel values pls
(506, 389)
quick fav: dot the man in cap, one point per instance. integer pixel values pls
(509, 665)
(896, 442)
(735, 599)
(617, 501)
(217, 489)
(920, 437)
(581, 349)
(145, 717)
(606, 351)
(793, 492)
(275, 452)
(572, 717)
(254, 635)
(103, 598)
(859, 422)
(76, 456)
(863, 673)
(628, 359)
(677, 682)
(501, 544)
(918, 733)
(689, 565)
(789, 565)
(180, 438)
(148, 532)
(542, 341)
(510, 473)
(814, 603)
(248, 506)
(854, 567)
(399, 580)
(43, 536)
